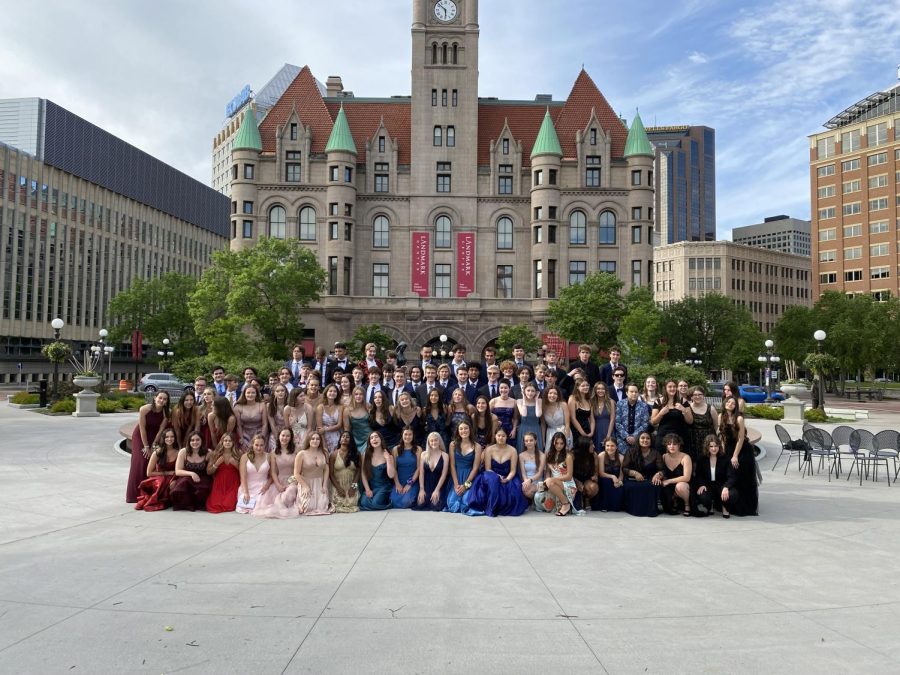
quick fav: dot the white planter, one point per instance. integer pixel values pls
(85, 382)
(86, 399)
(798, 391)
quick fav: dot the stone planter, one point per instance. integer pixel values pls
(797, 391)
(86, 399)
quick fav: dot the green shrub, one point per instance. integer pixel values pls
(666, 371)
(67, 405)
(814, 415)
(765, 412)
(131, 402)
(105, 405)
(24, 398)
(187, 369)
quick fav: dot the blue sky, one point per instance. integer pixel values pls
(764, 74)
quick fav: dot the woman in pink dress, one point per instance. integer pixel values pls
(255, 475)
(251, 416)
(311, 476)
(223, 467)
(152, 419)
(275, 411)
(154, 490)
(280, 500)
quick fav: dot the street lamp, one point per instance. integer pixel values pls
(768, 361)
(57, 324)
(166, 351)
(106, 350)
(693, 360)
(443, 339)
(819, 337)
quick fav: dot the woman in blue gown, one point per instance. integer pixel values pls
(465, 462)
(434, 415)
(609, 470)
(377, 475)
(530, 413)
(406, 480)
(504, 408)
(642, 470)
(497, 491)
(434, 466)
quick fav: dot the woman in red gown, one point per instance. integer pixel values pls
(154, 490)
(153, 418)
(192, 484)
(223, 466)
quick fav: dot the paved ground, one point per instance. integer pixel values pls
(88, 585)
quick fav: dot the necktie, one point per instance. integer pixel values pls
(296, 370)
(493, 391)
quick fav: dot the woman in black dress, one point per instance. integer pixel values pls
(740, 453)
(584, 471)
(671, 415)
(676, 482)
(642, 470)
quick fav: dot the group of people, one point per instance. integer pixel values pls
(337, 435)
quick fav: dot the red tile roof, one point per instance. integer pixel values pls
(364, 118)
(524, 121)
(302, 94)
(577, 111)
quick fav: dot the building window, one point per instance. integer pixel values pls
(636, 212)
(348, 231)
(382, 182)
(292, 172)
(504, 233)
(444, 91)
(850, 141)
(850, 165)
(878, 204)
(248, 171)
(307, 224)
(277, 219)
(504, 144)
(851, 209)
(636, 177)
(852, 230)
(381, 144)
(434, 91)
(293, 131)
(551, 177)
(443, 179)
(381, 234)
(853, 253)
(332, 231)
(876, 250)
(650, 178)
(577, 271)
(875, 160)
(635, 272)
(828, 235)
(593, 136)
(442, 232)
(578, 228)
(538, 278)
(332, 274)
(827, 170)
(607, 228)
(551, 212)
(538, 178)
(454, 98)
(442, 281)
(234, 175)
(880, 273)
(825, 148)
(504, 281)
(827, 256)
(348, 210)
(348, 174)
(538, 234)
(636, 235)
(332, 208)
(826, 213)
(847, 187)
(826, 191)
(434, 50)
(248, 229)
(878, 227)
(876, 134)
(333, 173)
(248, 207)
(608, 266)
(878, 181)
(504, 185)
(538, 212)
(381, 280)
(437, 137)
(827, 278)
(348, 266)
(853, 275)
(451, 136)
(592, 172)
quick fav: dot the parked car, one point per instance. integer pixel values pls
(715, 389)
(162, 381)
(883, 379)
(752, 393)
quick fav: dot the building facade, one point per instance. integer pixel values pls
(442, 212)
(79, 222)
(685, 182)
(777, 233)
(765, 282)
(855, 196)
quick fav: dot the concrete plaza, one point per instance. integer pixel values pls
(89, 585)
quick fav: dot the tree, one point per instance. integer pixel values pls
(367, 333)
(793, 335)
(159, 308)
(588, 312)
(253, 299)
(518, 333)
(747, 344)
(641, 328)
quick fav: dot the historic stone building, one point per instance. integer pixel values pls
(442, 212)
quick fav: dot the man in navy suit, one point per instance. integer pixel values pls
(430, 383)
(295, 363)
(491, 388)
(401, 385)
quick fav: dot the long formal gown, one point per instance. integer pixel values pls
(153, 492)
(300, 427)
(436, 424)
(610, 497)
(491, 497)
(251, 419)
(641, 497)
(406, 467)
(331, 439)
(389, 432)
(505, 417)
(225, 485)
(544, 500)
(556, 423)
(530, 422)
(456, 417)
(275, 503)
(313, 498)
(464, 464)
(256, 481)
(601, 426)
(188, 495)
(345, 476)
(277, 425)
(700, 429)
(672, 423)
(583, 417)
(360, 430)
(747, 503)
(381, 486)
(431, 478)
(138, 471)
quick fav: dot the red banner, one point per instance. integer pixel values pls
(465, 263)
(137, 342)
(421, 251)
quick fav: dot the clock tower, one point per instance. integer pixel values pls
(445, 100)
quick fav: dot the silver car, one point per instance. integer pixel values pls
(152, 382)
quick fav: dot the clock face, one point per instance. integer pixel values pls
(445, 10)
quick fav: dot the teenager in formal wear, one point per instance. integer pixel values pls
(152, 419)
(153, 492)
(344, 475)
(377, 475)
(497, 491)
(434, 465)
(555, 416)
(671, 415)
(406, 477)
(676, 479)
(603, 409)
(711, 478)
(255, 475)
(192, 482)
(612, 483)
(559, 489)
(465, 463)
(311, 477)
(224, 467)
(642, 469)
(531, 466)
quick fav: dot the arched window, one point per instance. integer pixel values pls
(381, 232)
(438, 136)
(455, 53)
(434, 53)
(307, 224)
(451, 136)
(444, 53)
(607, 227)
(578, 228)
(442, 232)
(277, 219)
(504, 233)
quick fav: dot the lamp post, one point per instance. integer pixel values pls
(443, 339)
(768, 361)
(57, 324)
(693, 360)
(819, 337)
(166, 351)
(106, 350)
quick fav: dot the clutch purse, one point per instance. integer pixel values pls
(250, 504)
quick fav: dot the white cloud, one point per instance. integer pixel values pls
(697, 58)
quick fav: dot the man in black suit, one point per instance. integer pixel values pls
(608, 369)
(591, 370)
(519, 356)
(339, 360)
(322, 364)
(401, 385)
(617, 390)
(295, 363)
(491, 388)
(430, 383)
(490, 359)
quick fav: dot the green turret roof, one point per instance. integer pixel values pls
(547, 142)
(247, 136)
(341, 140)
(637, 142)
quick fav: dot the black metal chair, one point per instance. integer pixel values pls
(821, 446)
(888, 444)
(862, 443)
(841, 438)
(792, 447)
